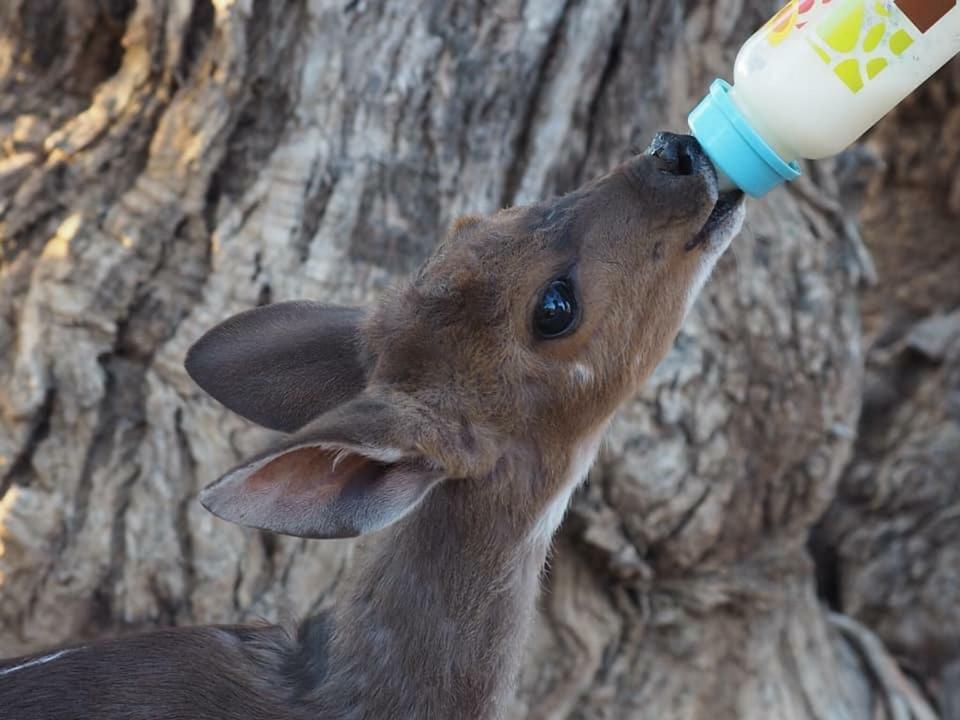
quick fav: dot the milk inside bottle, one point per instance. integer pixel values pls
(815, 78)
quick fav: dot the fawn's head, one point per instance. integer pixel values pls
(513, 345)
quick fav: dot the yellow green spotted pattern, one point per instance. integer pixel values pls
(860, 38)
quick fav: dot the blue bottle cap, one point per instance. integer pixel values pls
(735, 147)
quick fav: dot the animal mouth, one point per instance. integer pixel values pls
(724, 221)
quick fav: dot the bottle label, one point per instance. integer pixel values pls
(793, 16)
(858, 39)
(923, 14)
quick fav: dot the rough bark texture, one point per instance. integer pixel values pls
(890, 546)
(166, 163)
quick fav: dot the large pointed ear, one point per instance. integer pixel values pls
(348, 473)
(282, 365)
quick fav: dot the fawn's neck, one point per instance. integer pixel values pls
(434, 622)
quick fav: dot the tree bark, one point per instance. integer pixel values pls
(888, 548)
(170, 162)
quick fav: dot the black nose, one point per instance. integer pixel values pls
(677, 154)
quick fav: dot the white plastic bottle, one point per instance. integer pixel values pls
(815, 78)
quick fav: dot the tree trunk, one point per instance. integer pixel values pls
(170, 162)
(889, 548)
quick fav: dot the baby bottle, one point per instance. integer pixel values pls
(814, 79)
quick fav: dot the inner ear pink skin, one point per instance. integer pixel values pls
(317, 471)
(320, 491)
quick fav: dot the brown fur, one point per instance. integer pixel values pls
(432, 622)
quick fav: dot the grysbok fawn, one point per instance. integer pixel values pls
(454, 420)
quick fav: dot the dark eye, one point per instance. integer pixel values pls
(556, 313)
